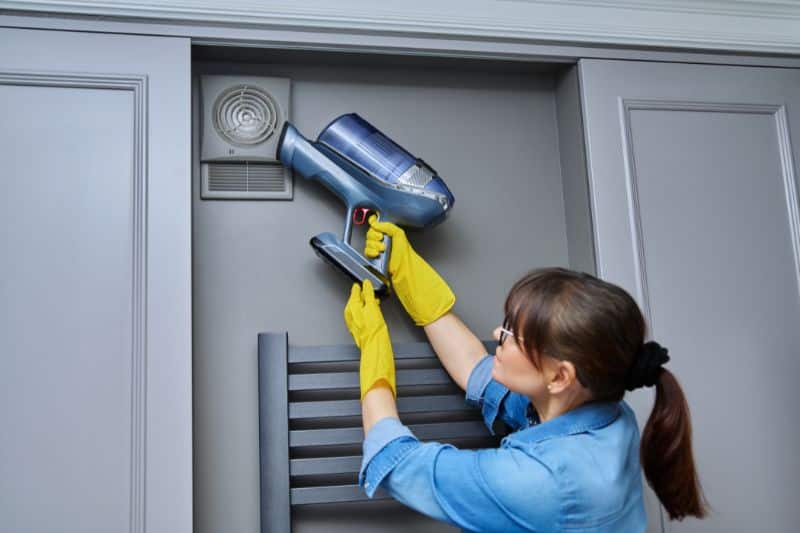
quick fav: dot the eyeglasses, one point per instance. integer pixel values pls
(505, 331)
(503, 334)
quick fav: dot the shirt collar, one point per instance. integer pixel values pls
(589, 416)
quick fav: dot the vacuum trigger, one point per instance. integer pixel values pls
(360, 215)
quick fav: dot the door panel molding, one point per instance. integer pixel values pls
(776, 111)
(137, 85)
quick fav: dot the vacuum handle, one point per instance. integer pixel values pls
(359, 215)
(382, 261)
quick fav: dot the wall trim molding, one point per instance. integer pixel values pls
(776, 111)
(138, 350)
(789, 184)
(768, 26)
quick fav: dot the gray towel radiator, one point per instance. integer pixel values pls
(310, 420)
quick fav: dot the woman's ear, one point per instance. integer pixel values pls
(563, 376)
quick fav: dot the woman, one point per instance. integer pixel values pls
(569, 347)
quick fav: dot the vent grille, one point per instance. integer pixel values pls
(246, 181)
(245, 115)
(416, 176)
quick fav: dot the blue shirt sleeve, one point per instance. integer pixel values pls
(389, 440)
(386, 444)
(495, 401)
(477, 490)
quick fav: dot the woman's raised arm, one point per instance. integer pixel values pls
(458, 348)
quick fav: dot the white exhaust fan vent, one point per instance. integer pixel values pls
(245, 115)
(242, 116)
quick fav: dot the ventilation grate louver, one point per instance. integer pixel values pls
(246, 177)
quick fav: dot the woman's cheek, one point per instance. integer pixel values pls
(495, 370)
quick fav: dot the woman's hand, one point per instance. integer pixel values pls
(424, 294)
(428, 300)
(364, 319)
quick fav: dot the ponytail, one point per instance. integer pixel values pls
(599, 327)
(666, 452)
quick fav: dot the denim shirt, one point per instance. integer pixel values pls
(579, 471)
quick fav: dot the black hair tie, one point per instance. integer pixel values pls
(647, 366)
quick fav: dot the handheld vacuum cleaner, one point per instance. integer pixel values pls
(369, 173)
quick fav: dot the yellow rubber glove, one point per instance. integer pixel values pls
(364, 319)
(422, 291)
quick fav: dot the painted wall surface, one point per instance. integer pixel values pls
(491, 135)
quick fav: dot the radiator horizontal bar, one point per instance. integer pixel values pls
(325, 465)
(349, 380)
(409, 404)
(338, 436)
(349, 352)
(334, 494)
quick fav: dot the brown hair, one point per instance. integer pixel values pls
(599, 327)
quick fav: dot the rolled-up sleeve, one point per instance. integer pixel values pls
(385, 445)
(494, 399)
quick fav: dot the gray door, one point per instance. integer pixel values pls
(95, 323)
(694, 196)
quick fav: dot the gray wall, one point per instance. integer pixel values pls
(577, 213)
(490, 132)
